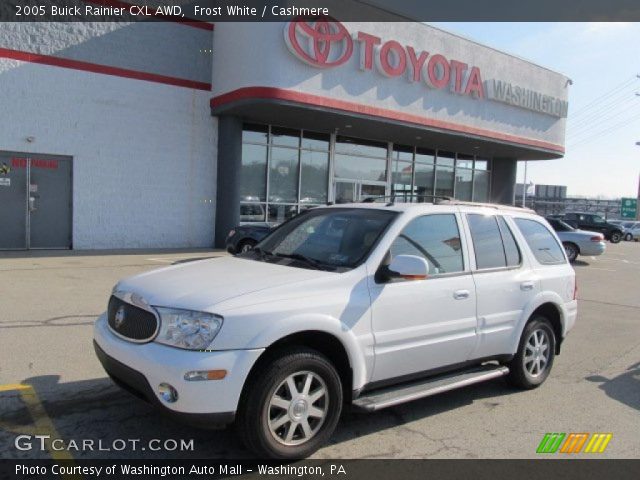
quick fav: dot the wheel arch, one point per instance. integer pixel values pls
(321, 341)
(551, 312)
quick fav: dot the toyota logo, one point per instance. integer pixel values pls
(119, 318)
(321, 43)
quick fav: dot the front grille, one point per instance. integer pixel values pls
(133, 322)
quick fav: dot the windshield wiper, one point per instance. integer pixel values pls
(309, 261)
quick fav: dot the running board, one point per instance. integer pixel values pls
(390, 396)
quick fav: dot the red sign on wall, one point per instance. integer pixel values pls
(17, 162)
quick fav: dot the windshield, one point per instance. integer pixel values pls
(335, 239)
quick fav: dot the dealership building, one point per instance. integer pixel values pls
(168, 134)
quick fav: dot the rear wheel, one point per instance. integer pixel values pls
(571, 249)
(292, 405)
(615, 237)
(534, 358)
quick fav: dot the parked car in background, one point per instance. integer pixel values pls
(631, 230)
(577, 242)
(594, 223)
(244, 237)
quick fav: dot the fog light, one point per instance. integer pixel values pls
(167, 393)
(205, 375)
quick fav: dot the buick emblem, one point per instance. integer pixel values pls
(120, 317)
(322, 43)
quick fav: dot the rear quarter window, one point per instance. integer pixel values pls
(542, 243)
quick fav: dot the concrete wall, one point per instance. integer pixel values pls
(255, 54)
(143, 152)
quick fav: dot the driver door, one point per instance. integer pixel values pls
(422, 325)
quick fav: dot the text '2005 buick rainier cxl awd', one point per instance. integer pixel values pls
(369, 305)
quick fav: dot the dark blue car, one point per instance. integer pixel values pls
(245, 237)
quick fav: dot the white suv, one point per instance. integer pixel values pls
(364, 304)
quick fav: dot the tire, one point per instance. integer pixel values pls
(572, 251)
(615, 237)
(628, 237)
(523, 374)
(267, 415)
(246, 245)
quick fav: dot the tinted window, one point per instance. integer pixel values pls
(487, 241)
(435, 238)
(542, 243)
(511, 250)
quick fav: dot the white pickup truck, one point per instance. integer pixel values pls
(370, 305)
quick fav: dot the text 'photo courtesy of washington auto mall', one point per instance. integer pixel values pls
(348, 239)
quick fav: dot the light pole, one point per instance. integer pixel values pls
(638, 194)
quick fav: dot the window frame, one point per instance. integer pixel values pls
(464, 252)
(553, 235)
(472, 248)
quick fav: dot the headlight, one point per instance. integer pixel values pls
(231, 233)
(187, 329)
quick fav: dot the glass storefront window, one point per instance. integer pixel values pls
(286, 137)
(361, 147)
(446, 158)
(255, 133)
(283, 175)
(314, 177)
(424, 155)
(296, 164)
(360, 168)
(253, 177)
(424, 182)
(315, 141)
(279, 213)
(252, 212)
(481, 164)
(481, 186)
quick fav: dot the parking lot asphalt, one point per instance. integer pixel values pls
(51, 383)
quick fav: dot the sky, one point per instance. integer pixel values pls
(603, 60)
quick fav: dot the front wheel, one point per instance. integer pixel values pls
(628, 237)
(246, 245)
(534, 358)
(615, 237)
(292, 405)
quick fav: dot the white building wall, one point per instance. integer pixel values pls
(144, 154)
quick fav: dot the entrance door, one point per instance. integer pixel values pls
(349, 191)
(38, 190)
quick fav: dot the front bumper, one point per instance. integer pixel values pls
(140, 368)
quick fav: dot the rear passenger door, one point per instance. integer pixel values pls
(504, 282)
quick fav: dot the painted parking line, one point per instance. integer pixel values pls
(42, 423)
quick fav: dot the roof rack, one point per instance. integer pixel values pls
(405, 197)
(444, 200)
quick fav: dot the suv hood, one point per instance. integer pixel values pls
(200, 285)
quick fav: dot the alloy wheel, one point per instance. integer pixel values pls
(298, 408)
(537, 353)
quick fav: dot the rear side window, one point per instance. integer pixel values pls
(487, 241)
(493, 242)
(511, 250)
(542, 243)
(435, 238)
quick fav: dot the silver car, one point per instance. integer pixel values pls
(578, 242)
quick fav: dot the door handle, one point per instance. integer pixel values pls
(526, 286)
(461, 294)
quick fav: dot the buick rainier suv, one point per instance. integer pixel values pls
(363, 305)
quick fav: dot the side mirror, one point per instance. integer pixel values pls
(408, 267)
